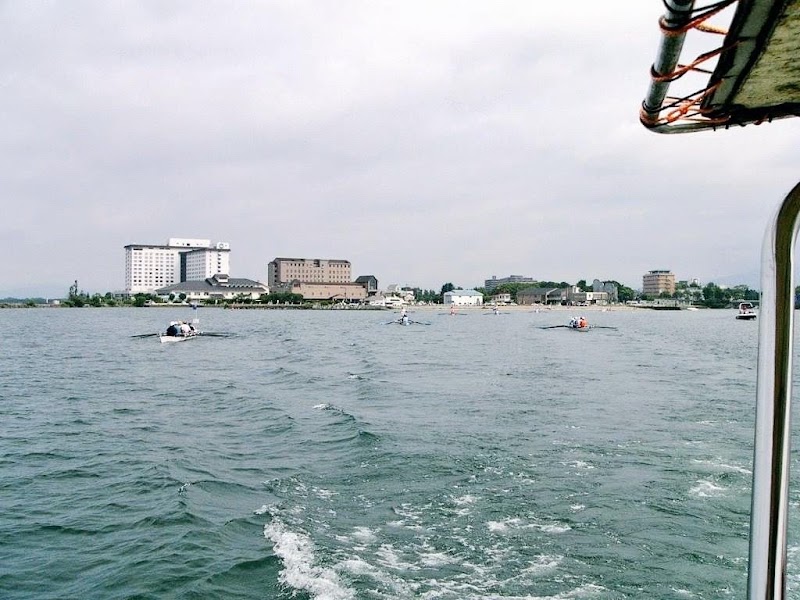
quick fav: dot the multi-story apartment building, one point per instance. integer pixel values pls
(283, 271)
(150, 267)
(656, 283)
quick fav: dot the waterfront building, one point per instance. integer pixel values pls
(609, 288)
(491, 284)
(579, 297)
(501, 298)
(370, 283)
(334, 292)
(658, 282)
(319, 279)
(283, 271)
(149, 267)
(463, 298)
(216, 287)
(393, 289)
(542, 295)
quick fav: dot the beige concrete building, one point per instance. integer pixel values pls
(282, 271)
(656, 283)
(327, 291)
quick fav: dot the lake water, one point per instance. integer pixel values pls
(329, 456)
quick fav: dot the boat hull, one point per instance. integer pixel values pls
(171, 339)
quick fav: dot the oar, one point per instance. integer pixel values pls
(418, 323)
(144, 335)
(556, 327)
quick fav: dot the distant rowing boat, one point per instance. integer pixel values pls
(169, 339)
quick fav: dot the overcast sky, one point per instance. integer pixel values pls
(424, 141)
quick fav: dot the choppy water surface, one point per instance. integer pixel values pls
(327, 455)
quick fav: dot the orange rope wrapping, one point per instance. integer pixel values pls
(693, 23)
(711, 29)
(688, 108)
(684, 105)
(683, 69)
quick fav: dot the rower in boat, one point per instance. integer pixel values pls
(174, 329)
(578, 323)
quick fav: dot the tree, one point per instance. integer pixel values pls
(583, 286)
(511, 288)
(715, 297)
(141, 299)
(421, 295)
(624, 293)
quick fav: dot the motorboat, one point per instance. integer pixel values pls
(746, 312)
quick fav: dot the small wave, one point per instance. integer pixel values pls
(323, 494)
(390, 558)
(505, 525)
(297, 552)
(517, 523)
(468, 499)
(725, 467)
(365, 535)
(542, 564)
(398, 588)
(707, 489)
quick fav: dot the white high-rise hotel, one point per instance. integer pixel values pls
(148, 267)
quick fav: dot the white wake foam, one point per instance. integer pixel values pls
(300, 572)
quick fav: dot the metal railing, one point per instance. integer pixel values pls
(770, 500)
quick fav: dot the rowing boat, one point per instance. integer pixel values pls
(168, 339)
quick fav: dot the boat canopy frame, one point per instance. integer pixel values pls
(755, 79)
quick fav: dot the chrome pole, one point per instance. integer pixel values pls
(770, 496)
(679, 13)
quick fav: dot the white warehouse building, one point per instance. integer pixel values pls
(150, 267)
(463, 298)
